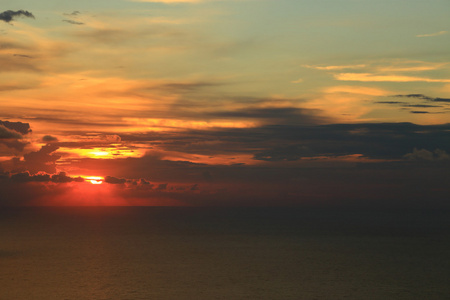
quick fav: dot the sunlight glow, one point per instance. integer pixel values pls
(94, 179)
(104, 152)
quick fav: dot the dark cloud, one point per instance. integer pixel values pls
(49, 139)
(26, 177)
(292, 142)
(43, 177)
(426, 155)
(11, 134)
(23, 128)
(422, 105)
(73, 22)
(162, 187)
(390, 102)
(114, 180)
(63, 178)
(9, 15)
(283, 115)
(419, 112)
(423, 97)
(41, 161)
(6, 133)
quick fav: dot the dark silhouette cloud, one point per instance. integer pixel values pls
(42, 177)
(49, 139)
(162, 187)
(11, 134)
(23, 128)
(6, 133)
(9, 15)
(114, 180)
(426, 155)
(41, 161)
(26, 177)
(63, 178)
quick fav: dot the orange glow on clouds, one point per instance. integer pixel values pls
(93, 179)
(168, 124)
(103, 153)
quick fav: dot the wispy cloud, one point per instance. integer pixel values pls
(169, 1)
(369, 77)
(73, 22)
(432, 34)
(332, 68)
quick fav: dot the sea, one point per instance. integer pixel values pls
(223, 253)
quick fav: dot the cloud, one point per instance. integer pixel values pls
(284, 153)
(332, 68)
(73, 22)
(43, 177)
(162, 187)
(49, 139)
(361, 90)
(426, 155)
(8, 15)
(23, 128)
(114, 180)
(42, 160)
(369, 77)
(63, 178)
(170, 1)
(26, 177)
(419, 112)
(6, 133)
(423, 97)
(23, 55)
(278, 115)
(74, 13)
(432, 34)
(11, 135)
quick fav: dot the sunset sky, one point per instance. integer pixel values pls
(225, 102)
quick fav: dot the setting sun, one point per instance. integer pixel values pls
(94, 179)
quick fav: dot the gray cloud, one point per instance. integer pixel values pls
(22, 55)
(426, 155)
(73, 22)
(74, 13)
(423, 97)
(9, 15)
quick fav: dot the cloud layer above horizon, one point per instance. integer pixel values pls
(224, 103)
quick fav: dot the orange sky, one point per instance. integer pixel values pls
(223, 102)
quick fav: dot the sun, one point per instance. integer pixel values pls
(94, 179)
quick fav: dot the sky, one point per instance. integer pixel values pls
(225, 103)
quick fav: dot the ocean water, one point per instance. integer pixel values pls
(223, 253)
